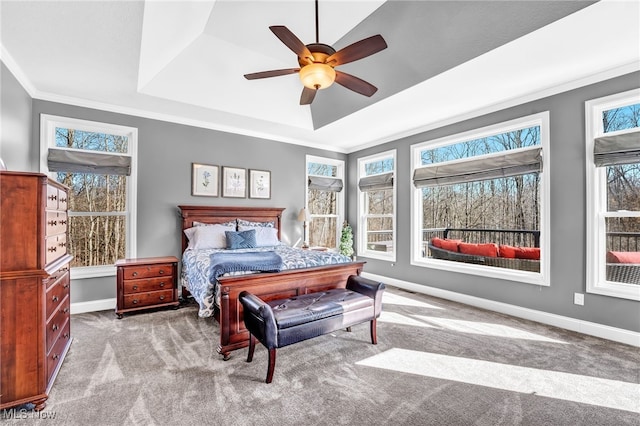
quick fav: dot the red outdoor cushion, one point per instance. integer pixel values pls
(623, 257)
(436, 242)
(450, 245)
(532, 253)
(487, 250)
(507, 251)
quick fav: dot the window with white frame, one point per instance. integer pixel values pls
(613, 195)
(480, 201)
(325, 201)
(97, 162)
(377, 206)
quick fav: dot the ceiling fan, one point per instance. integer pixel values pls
(317, 62)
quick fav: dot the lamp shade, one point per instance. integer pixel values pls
(317, 76)
(303, 216)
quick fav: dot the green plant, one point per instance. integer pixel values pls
(346, 240)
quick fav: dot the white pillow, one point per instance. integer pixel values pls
(206, 237)
(265, 236)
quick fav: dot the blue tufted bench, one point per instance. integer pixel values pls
(282, 322)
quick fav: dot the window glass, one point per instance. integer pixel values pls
(325, 204)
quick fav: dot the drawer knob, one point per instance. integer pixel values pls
(55, 356)
(162, 284)
(65, 335)
(162, 297)
(55, 327)
(53, 197)
(135, 301)
(63, 200)
(52, 249)
(65, 285)
(52, 223)
(62, 244)
(65, 311)
(135, 274)
(54, 299)
(63, 222)
(161, 272)
(135, 287)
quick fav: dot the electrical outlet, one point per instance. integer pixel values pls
(578, 299)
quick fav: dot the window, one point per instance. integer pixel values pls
(377, 206)
(613, 195)
(325, 200)
(480, 201)
(97, 161)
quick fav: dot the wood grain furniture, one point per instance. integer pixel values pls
(34, 287)
(267, 286)
(146, 283)
(283, 322)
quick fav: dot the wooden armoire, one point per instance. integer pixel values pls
(34, 287)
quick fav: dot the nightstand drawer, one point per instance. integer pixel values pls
(147, 271)
(149, 284)
(147, 299)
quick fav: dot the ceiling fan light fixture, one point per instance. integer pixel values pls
(317, 75)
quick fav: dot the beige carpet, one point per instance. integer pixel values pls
(436, 363)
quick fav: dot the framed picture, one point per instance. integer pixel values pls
(234, 182)
(259, 184)
(205, 180)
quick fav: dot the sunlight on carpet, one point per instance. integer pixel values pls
(395, 299)
(552, 384)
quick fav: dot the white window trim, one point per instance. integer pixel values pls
(537, 278)
(362, 249)
(340, 204)
(48, 124)
(596, 199)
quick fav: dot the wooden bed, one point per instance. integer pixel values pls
(268, 286)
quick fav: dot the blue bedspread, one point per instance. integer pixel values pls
(197, 273)
(262, 261)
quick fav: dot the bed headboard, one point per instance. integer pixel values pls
(222, 214)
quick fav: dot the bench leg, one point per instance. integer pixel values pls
(252, 347)
(272, 364)
(374, 336)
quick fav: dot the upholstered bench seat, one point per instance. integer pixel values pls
(282, 322)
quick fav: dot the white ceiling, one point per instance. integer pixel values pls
(184, 61)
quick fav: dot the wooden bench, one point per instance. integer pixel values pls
(282, 322)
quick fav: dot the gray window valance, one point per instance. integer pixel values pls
(477, 169)
(376, 182)
(325, 183)
(64, 160)
(617, 149)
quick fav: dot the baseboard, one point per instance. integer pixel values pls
(93, 306)
(593, 329)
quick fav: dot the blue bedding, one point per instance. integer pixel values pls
(198, 269)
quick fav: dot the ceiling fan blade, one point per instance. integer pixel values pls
(291, 41)
(307, 96)
(273, 73)
(358, 50)
(354, 83)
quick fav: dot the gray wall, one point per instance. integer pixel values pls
(568, 218)
(165, 153)
(15, 124)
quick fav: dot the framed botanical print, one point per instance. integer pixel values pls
(259, 184)
(205, 180)
(234, 182)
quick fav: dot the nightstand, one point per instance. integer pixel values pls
(146, 283)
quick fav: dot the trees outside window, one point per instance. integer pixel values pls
(377, 206)
(96, 162)
(486, 186)
(325, 200)
(613, 195)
